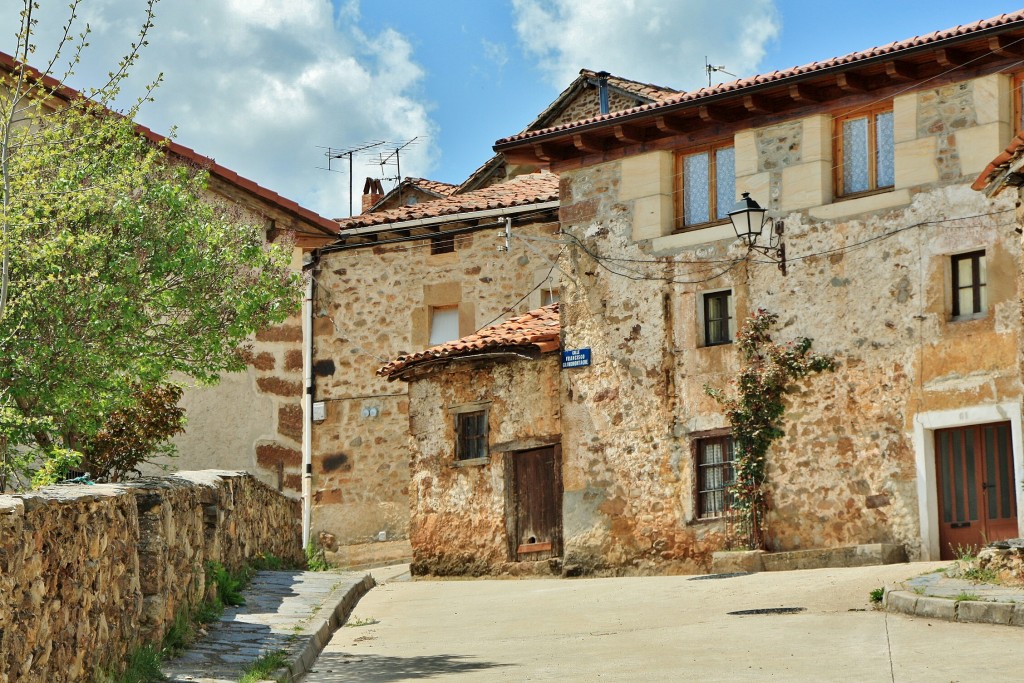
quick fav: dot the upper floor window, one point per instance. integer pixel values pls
(444, 324)
(718, 318)
(442, 244)
(970, 299)
(866, 148)
(706, 185)
(548, 295)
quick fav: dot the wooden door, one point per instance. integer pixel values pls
(534, 505)
(977, 498)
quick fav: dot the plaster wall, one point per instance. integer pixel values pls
(459, 511)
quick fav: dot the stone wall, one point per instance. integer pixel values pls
(459, 509)
(848, 470)
(89, 572)
(373, 304)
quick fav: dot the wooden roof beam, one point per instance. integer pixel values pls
(673, 125)
(758, 104)
(585, 142)
(851, 83)
(1007, 46)
(711, 114)
(949, 57)
(800, 92)
(900, 71)
(628, 134)
(545, 151)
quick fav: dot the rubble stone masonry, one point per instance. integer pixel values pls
(89, 572)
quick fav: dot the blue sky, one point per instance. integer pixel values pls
(260, 85)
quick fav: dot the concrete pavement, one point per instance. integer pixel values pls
(660, 629)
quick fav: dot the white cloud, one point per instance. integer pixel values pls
(657, 41)
(259, 84)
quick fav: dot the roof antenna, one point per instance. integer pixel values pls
(711, 69)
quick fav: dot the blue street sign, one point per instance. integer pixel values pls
(575, 358)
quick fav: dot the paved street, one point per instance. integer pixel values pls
(659, 629)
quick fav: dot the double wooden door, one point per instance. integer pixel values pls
(977, 497)
(534, 503)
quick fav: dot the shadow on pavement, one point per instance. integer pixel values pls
(338, 667)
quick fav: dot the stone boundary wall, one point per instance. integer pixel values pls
(89, 572)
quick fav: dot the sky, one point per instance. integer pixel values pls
(266, 87)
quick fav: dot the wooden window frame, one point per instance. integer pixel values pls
(871, 114)
(465, 451)
(705, 299)
(680, 182)
(698, 441)
(975, 285)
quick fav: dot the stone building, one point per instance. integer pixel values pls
(484, 414)
(425, 263)
(894, 265)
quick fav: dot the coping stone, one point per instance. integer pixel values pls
(985, 612)
(936, 608)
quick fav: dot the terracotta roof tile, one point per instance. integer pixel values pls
(522, 190)
(774, 76)
(1012, 151)
(539, 328)
(325, 226)
(433, 186)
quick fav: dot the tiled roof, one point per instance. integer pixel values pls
(649, 91)
(539, 328)
(325, 226)
(763, 79)
(1012, 151)
(523, 190)
(432, 186)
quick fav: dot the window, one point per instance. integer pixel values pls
(548, 295)
(969, 278)
(443, 244)
(866, 148)
(708, 185)
(444, 324)
(714, 476)
(718, 318)
(471, 435)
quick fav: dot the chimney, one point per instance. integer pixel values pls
(373, 192)
(602, 90)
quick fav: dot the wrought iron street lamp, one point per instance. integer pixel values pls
(749, 221)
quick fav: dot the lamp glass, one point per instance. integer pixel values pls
(747, 219)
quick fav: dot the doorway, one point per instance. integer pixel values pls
(977, 497)
(534, 503)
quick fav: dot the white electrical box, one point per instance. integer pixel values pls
(319, 411)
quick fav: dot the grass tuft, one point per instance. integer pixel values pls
(876, 595)
(264, 666)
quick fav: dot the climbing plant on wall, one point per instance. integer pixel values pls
(755, 410)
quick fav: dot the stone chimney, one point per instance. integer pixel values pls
(373, 192)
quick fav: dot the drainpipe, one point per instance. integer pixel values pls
(307, 404)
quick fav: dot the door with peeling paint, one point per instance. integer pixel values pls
(534, 504)
(977, 500)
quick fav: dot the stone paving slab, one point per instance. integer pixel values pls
(937, 596)
(293, 611)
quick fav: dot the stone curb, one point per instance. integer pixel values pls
(318, 633)
(965, 611)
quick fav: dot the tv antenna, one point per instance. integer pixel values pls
(394, 157)
(333, 154)
(710, 68)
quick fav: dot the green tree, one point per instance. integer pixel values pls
(756, 409)
(120, 269)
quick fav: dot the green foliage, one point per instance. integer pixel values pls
(876, 595)
(316, 560)
(267, 562)
(123, 271)
(180, 635)
(964, 595)
(228, 586)
(142, 666)
(263, 667)
(755, 411)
